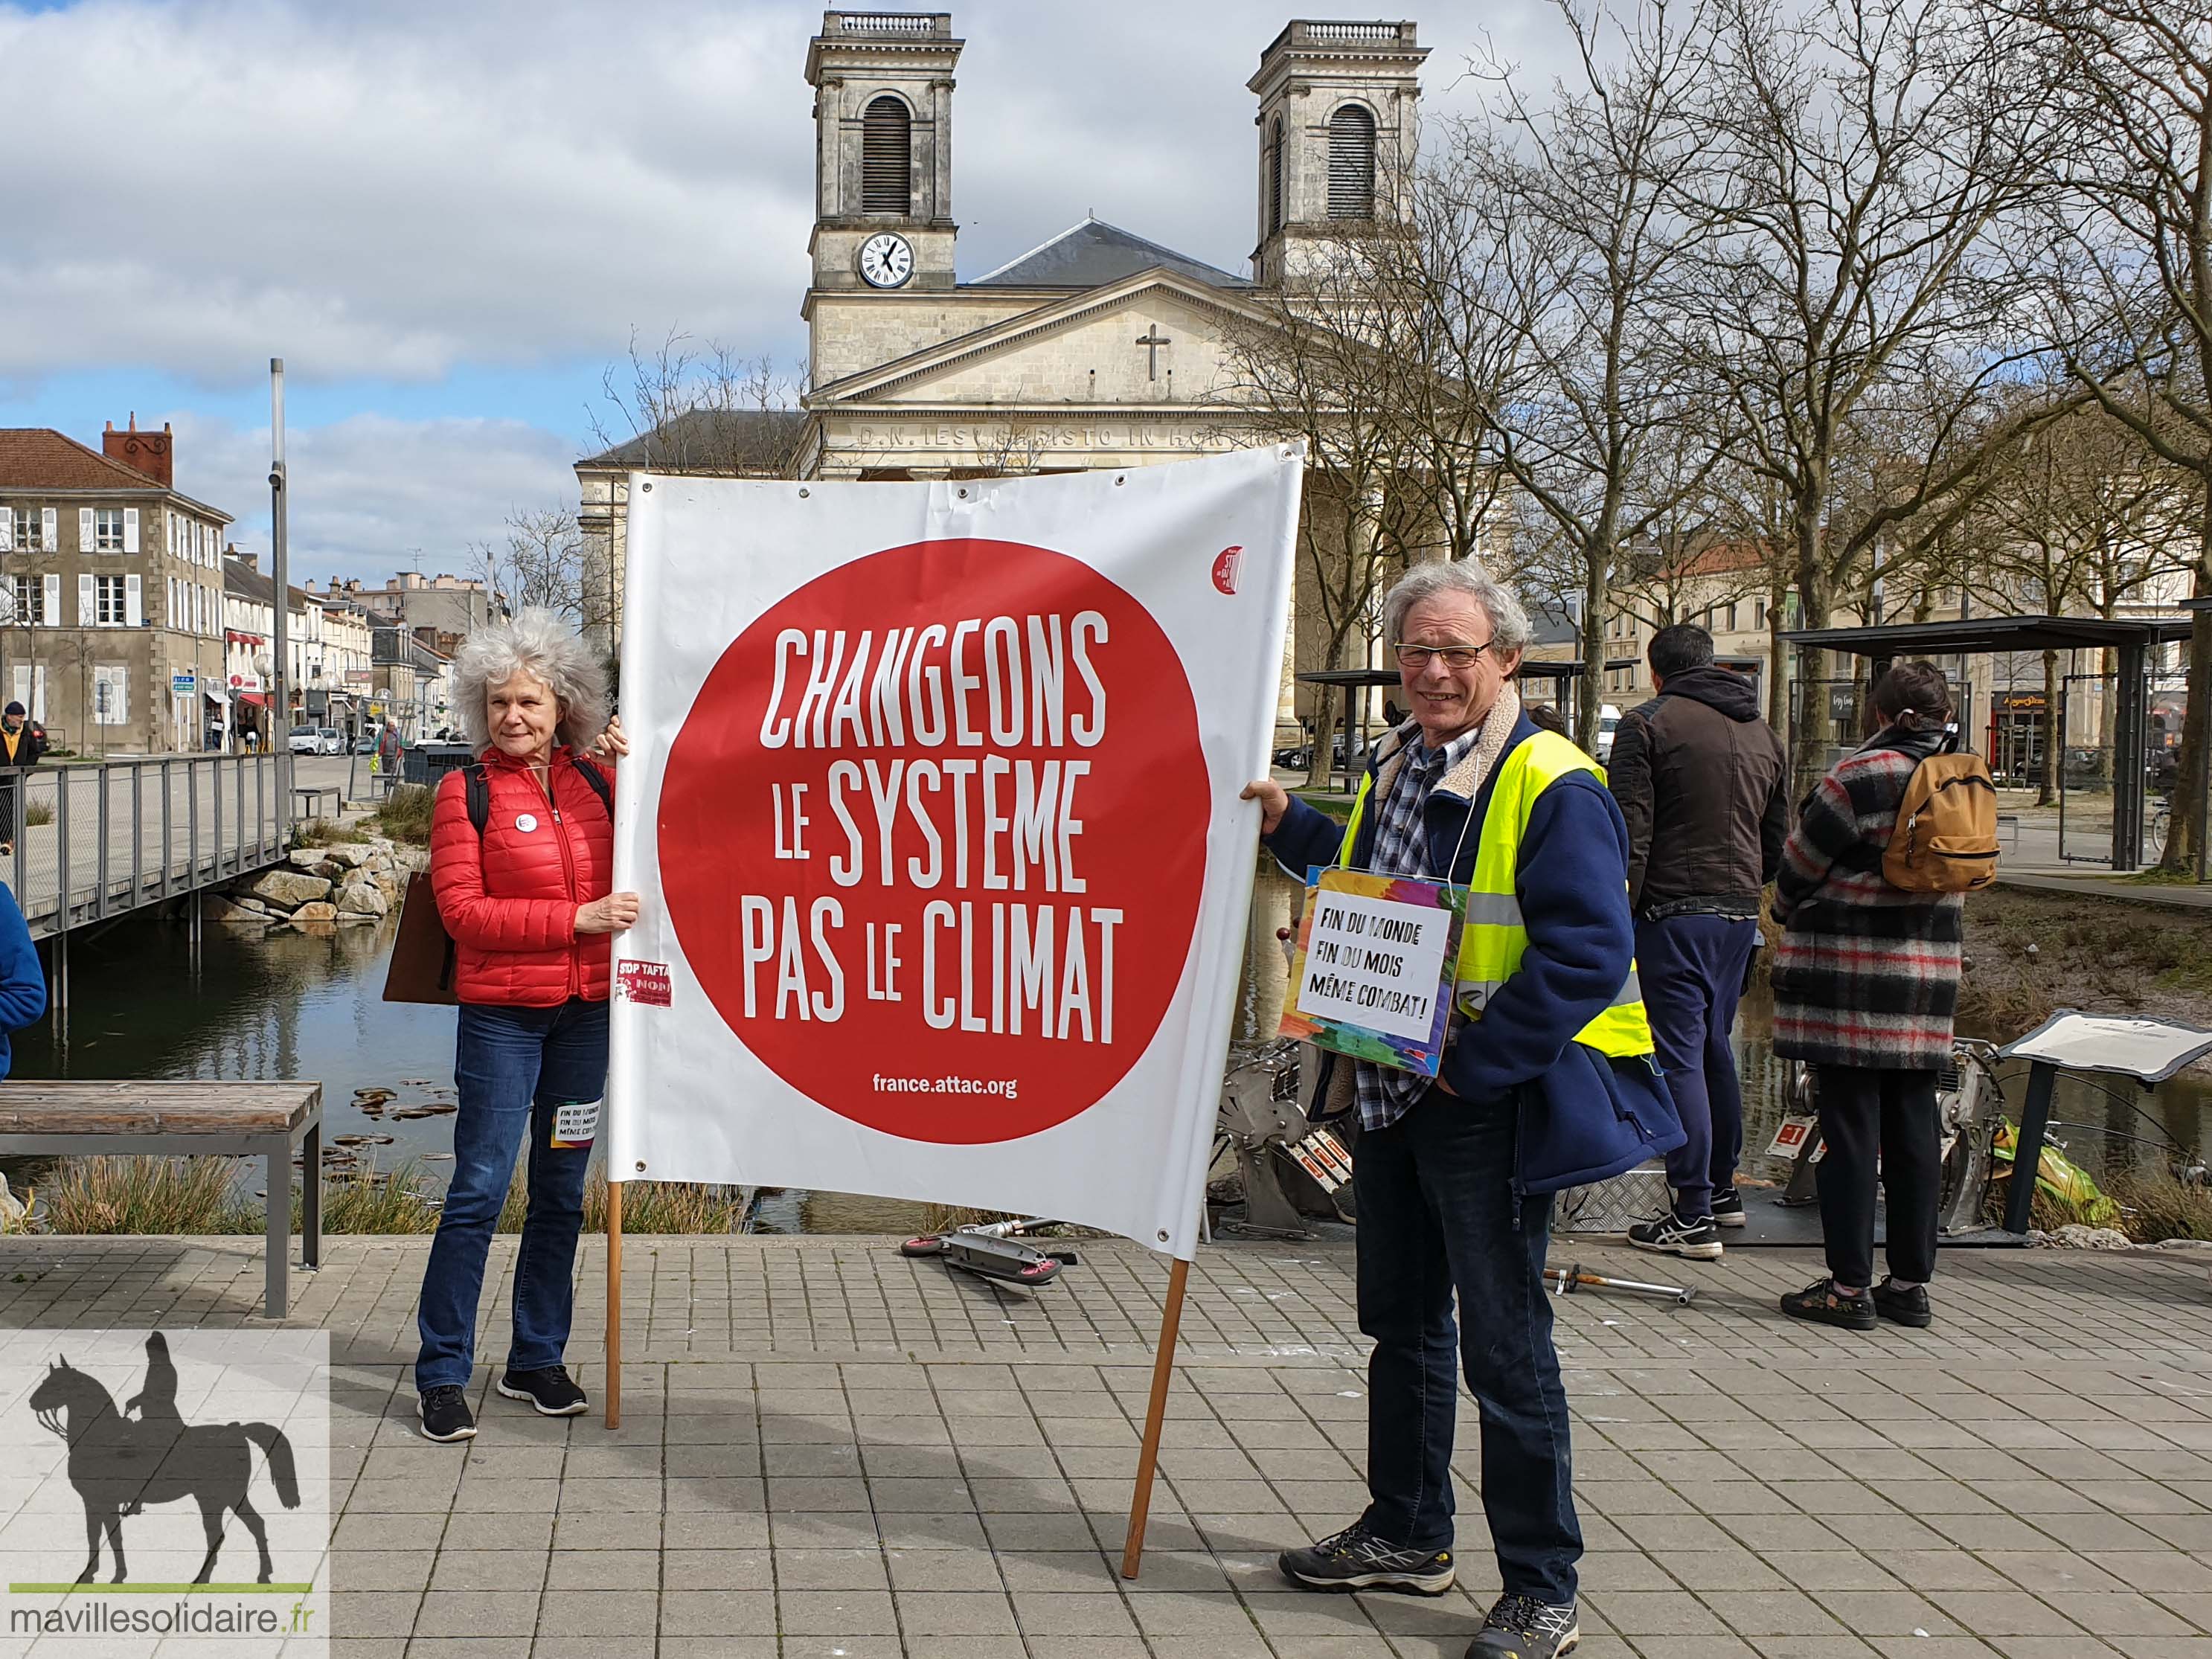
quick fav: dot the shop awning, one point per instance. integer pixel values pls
(254, 697)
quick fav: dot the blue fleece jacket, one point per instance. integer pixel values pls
(1572, 883)
(22, 981)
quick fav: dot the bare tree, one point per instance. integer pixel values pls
(1866, 153)
(686, 407)
(2083, 517)
(1316, 365)
(697, 406)
(1604, 423)
(2126, 256)
(540, 562)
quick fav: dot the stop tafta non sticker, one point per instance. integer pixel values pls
(932, 807)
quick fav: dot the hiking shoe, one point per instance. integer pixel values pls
(1522, 1627)
(1356, 1558)
(1728, 1208)
(549, 1389)
(1905, 1307)
(1820, 1303)
(444, 1414)
(1695, 1237)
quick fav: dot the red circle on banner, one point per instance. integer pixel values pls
(1046, 713)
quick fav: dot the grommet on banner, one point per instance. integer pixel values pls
(963, 495)
(802, 492)
(1120, 478)
(647, 487)
(641, 1166)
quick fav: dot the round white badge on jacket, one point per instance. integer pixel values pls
(525, 822)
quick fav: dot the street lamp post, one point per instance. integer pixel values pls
(279, 680)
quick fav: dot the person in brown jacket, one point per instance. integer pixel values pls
(1704, 784)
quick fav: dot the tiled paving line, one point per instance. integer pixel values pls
(1133, 1396)
(2058, 1545)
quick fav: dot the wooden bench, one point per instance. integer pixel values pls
(254, 1120)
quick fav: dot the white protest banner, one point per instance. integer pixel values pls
(932, 803)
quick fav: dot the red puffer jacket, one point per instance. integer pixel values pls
(510, 898)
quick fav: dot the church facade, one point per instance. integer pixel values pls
(1098, 348)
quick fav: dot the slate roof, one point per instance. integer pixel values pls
(1093, 253)
(731, 441)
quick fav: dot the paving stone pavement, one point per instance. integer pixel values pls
(829, 1452)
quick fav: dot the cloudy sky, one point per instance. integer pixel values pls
(449, 218)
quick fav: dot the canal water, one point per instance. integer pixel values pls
(291, 1004)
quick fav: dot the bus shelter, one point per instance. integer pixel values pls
(2134, 641)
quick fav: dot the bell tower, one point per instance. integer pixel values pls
(1338, 103)
(883, 156)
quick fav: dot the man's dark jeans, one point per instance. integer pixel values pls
(1692, 967)
(1436, 1213)
(515, 1067)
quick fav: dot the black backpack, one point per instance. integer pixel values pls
(476, 785)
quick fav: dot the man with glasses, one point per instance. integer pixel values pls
(1547, 1081)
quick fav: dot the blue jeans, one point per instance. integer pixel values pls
(1437, 1215)
(1691, 968)
(514, 1067)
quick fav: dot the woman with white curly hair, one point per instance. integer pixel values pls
(522, 861)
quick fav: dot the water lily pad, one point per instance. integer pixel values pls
(361, 1140)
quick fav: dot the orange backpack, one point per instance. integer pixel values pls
(1946, 840)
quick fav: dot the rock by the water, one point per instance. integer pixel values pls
(361, 898)
(290, 888)
(316, 910)
(349, 854)
(310, 859)
(215, 907)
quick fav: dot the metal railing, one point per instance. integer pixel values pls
(94, 841)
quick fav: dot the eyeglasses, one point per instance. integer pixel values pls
(1415, 658)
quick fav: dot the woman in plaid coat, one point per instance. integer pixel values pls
(1866, 981)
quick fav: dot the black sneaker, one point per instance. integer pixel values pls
(1356, 1558)
(1905, 1307)
(444, 1414)
(1522, 1627)
(549, 1389)
(1728, 1208)
(1821, 1303)
(1674, 1235)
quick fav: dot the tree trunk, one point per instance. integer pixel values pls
(1777, 674)
(1594, 651)
(2046, 778)
(1816, 731)
(2189, 828)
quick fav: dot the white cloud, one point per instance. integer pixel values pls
(397, 190)
(387, 191)
(369, 494)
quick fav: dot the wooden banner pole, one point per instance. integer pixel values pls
(614, 1304)
(1155, 1413)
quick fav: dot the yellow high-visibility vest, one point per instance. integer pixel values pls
(1493, 940)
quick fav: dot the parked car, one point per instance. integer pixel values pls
(1608, 720)
(305, 740)
(330, 741)
(365, 743)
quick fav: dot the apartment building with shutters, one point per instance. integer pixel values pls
(110, 592)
